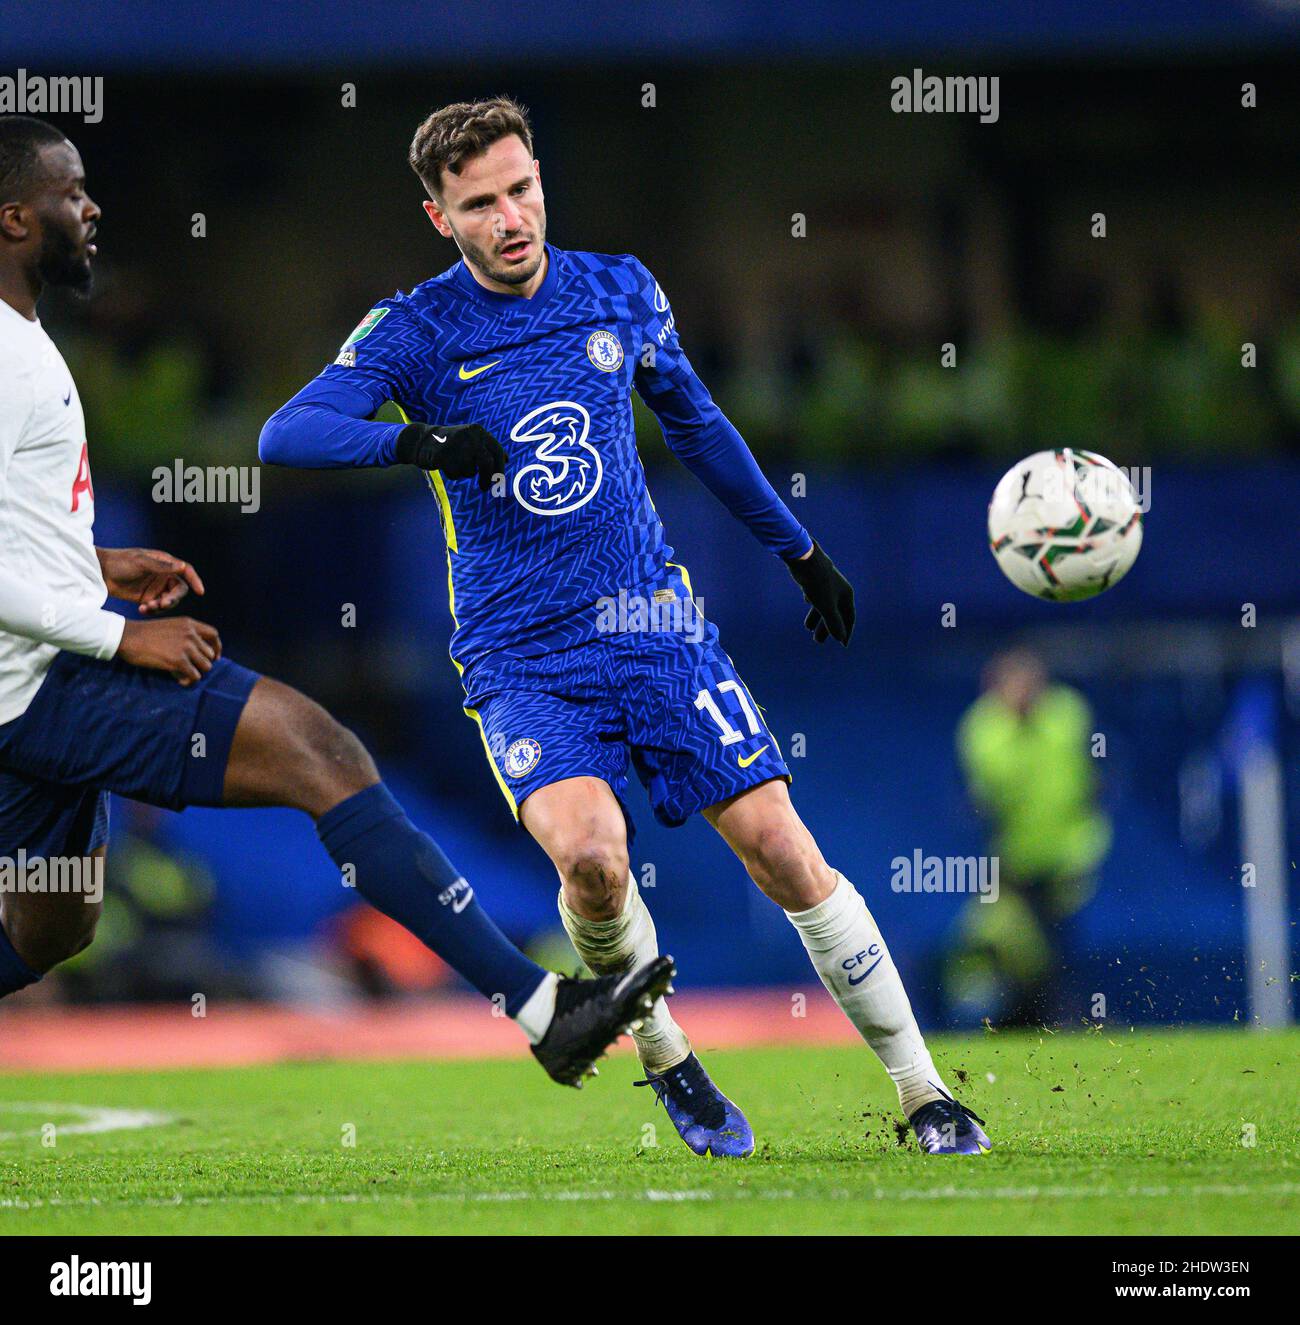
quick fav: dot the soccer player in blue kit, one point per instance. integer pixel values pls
(92, 702)
(514, 370)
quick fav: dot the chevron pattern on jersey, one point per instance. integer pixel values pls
(552, 378)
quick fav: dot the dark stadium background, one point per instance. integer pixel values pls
(921, 229)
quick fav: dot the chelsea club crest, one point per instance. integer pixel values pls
(605, 350)
(522, 757)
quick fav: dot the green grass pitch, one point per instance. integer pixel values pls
(1184, 1131)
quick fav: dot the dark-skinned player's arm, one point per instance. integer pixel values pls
(178, 645)
(157, 581)
(703, 438)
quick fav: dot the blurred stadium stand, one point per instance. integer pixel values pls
(824, 350)
(189, 33)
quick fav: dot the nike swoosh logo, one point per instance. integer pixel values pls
(868, 971)
(67, 400)
(466, 374)
(462, 901)
(745, 760)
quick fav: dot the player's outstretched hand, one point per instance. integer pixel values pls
(180, 645)
(829, 595)
(156, 580)
(458, 450)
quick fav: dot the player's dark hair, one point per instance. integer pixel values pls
(22, 137)
(450, 136)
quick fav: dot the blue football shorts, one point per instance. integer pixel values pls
(96, 727)
(669, 705)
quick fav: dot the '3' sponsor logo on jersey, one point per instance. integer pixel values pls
(874, 954)
(565, 470)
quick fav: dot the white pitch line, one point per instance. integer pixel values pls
(95, 1120)
(688, 1194)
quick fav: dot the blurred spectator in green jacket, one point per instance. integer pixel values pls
(1024, 747)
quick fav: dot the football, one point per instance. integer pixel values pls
(1065, 524)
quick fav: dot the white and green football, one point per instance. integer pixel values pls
(1065, 524)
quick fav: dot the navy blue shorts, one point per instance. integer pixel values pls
(97, 727)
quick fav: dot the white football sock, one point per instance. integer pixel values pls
(845, 946)
(534, 1018)
(622, 944)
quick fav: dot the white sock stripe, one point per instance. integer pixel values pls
(534, 1018)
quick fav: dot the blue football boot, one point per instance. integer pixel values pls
(944, 1127)
(704, 1117)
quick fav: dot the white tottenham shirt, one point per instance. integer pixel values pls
(52, 590)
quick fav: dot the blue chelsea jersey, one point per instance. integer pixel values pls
(551, 378)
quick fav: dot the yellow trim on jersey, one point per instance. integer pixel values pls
(686, 575)
(449, 533)
(435, 481)
(759, 707)
(496, 772)
(444, 505)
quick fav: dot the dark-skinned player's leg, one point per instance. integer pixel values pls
(287, 750)
(229, 737)
(41, 928)
(47, 928)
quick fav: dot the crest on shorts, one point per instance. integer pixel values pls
(522, 756)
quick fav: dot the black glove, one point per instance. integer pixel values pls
(457, 450)
(829, 593)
